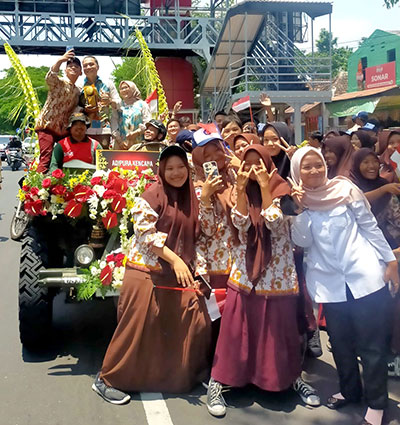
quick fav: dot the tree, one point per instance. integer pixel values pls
(132, 69)
(340, 55)
(390, 3)
(12, 109)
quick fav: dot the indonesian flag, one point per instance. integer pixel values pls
(241, 104)
(215, 304)
(211, 128)
(395, 162)
(152, 101)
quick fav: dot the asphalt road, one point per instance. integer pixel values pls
(54, 387)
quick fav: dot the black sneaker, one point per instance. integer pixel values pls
(108, 393)
(314, 348)
(306, 392)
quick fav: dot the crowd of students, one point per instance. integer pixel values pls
(267, 209)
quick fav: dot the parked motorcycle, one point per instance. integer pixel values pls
(14, 158)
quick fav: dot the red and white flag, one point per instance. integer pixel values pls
(241, 104)
(216, 303)
(152, 101)
(395, 162)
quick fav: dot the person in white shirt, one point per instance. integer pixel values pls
(349, 263)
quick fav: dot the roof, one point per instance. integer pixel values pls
(241, 26)
(304, 108)
(363, 93)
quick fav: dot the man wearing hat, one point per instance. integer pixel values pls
(77, 146)
(155, 131)
(62, 99)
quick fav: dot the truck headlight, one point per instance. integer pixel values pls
(84, 255)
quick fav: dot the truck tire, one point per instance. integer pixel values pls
(35, 302)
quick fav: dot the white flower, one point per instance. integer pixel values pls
(117, 284)
(93, 201)
(100, 173)
(94, 271)
(111, 264)
(103, 213)
(123, 227)
(119, 273)
(53, 199)
(99, 189)
(43, 194)
(103, 264)
(92, 216)
(104, 204)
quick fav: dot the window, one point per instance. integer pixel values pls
(364, 63)
(391, 55)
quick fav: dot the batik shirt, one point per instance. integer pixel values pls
(62, 99)
(145, 237)
(280, 277)
(216, 241)
(130, 116)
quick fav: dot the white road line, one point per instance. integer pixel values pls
(156, 409)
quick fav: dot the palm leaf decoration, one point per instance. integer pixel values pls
(148, 70)
(30, 99)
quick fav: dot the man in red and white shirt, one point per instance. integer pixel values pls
(62, 99)
(77, 146)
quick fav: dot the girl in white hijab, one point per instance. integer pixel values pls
(349, 263)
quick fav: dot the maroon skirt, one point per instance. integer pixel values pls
(259, 342)
(162, 340)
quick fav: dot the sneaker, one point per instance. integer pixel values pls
(215, 401)
(306, 392)
(314, 344)
(394, 367)
(108, 393)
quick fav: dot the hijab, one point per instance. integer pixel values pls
(281, 161)
(343, 149)
(258, 250)
(226, 196)
(366, 138)
(134, 92)
(177, 208)
(367, 185)
(332, 193)
(251, 139)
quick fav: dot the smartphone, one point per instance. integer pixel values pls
(204, 286)
(68, 48)
(211, 169)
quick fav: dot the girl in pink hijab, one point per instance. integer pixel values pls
(349, 264)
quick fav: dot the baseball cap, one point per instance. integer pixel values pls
(203, 136)
(363, 116)
(74, 60)
(172, 150)
(78, 116)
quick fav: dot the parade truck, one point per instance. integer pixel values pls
(74, 225)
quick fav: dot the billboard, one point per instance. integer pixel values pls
(380, 75)
(128, 160)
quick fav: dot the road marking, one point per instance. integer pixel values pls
(156, 409)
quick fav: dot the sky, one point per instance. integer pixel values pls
(351, 20)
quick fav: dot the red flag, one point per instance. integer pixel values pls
(241, 104)
(152, 101)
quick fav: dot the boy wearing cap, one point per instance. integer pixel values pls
(155, 131)
(77, 146)
(62, 99)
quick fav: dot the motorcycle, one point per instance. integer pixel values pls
(14, 158)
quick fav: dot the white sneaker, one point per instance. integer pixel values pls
(215, 401)
(306, 392)
(394, 367)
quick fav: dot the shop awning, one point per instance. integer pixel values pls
(350, 103)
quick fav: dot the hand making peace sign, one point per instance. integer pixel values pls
(288, 149)
(297, 192)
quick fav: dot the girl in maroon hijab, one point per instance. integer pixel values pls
(162, 339)
(338, 152)
(259, 340)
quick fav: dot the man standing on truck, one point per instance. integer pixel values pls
(62, 99)
(100, 99)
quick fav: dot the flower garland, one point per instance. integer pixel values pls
(104, 196)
